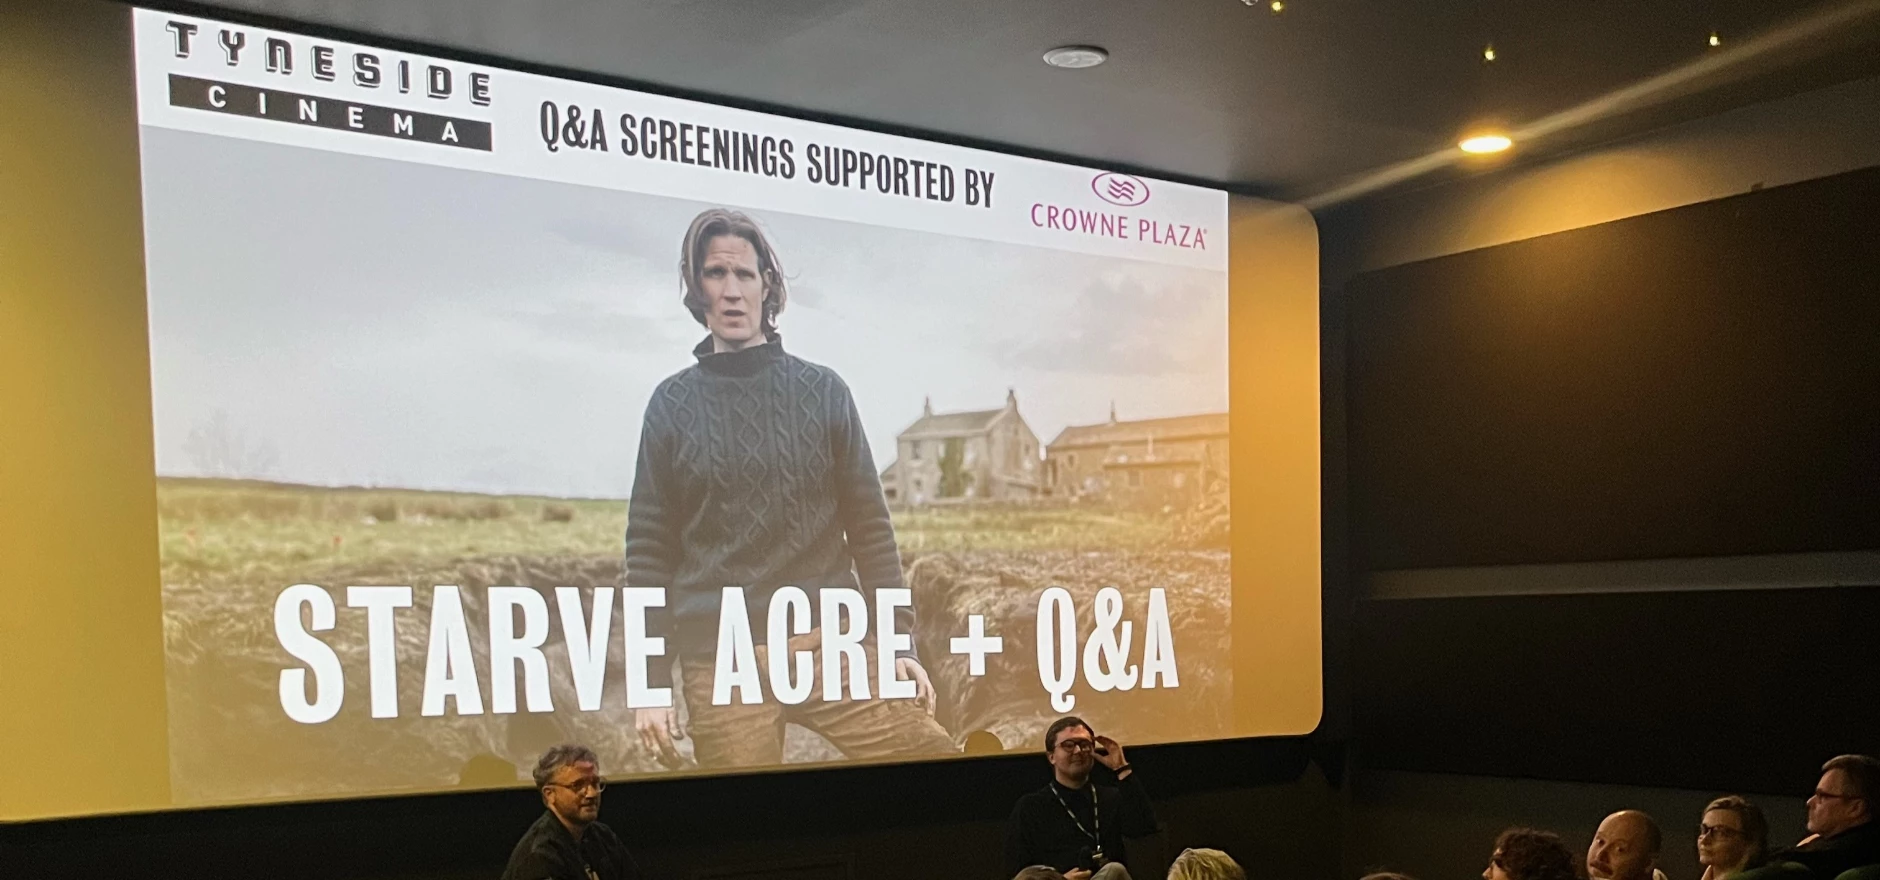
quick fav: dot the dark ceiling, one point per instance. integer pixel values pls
(1285, 104)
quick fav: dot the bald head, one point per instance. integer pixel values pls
(1625, 847)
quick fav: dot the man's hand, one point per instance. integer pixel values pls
(1110, 752)
(658, 728)
(906, 668)
(1077, 874)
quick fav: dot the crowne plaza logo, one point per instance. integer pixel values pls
(1122, 190)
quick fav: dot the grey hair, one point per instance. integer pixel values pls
(561, 756)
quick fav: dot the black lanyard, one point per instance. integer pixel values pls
(1096, 818)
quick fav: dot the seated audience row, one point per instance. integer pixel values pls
(1732, 839)
(1074, 829)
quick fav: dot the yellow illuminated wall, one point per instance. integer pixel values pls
(82, 727)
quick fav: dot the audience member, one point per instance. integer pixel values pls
(569, 842)
(1205, 864)
(1625, 847)
(1039, 872)
(1842, 831)
(1074, 824)
(1527, 854)
(1733, 836)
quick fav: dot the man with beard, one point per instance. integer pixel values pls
(569, 842)
(1074, 824)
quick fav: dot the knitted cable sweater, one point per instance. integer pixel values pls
(753, 472)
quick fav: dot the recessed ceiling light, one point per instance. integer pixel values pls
(1076, 57)
(1486, 143)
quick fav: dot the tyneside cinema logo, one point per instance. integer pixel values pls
(301, 60)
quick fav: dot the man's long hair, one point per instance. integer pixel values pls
(712, 223)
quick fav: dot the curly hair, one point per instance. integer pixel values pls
(1530, 854)
(561, 756)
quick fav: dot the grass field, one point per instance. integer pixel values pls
(217, 532)
(221, 531)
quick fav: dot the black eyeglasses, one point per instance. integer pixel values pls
(1076, 745)
(1718, 830)
(1828, 795)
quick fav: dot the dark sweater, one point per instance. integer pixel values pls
(753, 472)
(549, 852)
(1827, 857)
(1040, 832)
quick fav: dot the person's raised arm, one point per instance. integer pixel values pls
(1136, 815)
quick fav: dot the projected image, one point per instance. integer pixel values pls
(455, 465)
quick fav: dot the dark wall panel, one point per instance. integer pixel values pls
(1701, 381)
(1716, 690)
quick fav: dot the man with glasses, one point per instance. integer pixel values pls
(1842, 832)
(569, 842)
(1074, 824)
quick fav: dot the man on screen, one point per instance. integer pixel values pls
(569, 842)
(1074, 824)
(754, 473)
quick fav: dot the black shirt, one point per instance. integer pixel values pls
(548, 852)
(1041, 832)
(1827, 857)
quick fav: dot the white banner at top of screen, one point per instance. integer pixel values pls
(202, 75)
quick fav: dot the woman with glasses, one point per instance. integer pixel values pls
(1732, 837)
(1527, 854)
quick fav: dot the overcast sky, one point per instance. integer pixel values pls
(342, 320)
